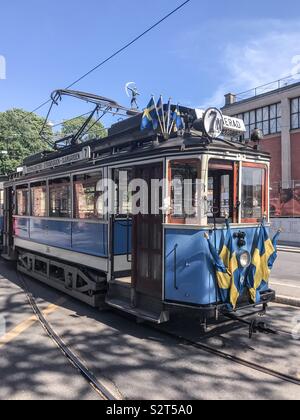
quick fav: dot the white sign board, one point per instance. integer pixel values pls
(235, 125)
(84, 154)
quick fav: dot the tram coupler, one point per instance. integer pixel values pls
(255, 326)
(260, 327)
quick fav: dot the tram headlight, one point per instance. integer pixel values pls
(244, 259)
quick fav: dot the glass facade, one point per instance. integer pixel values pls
(295, 113)
(267, 119)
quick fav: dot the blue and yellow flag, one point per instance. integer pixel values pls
(161, 113)
(264, 257)
(227, 271)
(177, 122)
(150, 117)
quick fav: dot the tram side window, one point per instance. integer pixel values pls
(220, 190)
(123, 195)
(60, 198)
(88, 198)
(38, 199)
(184, 191)
(253, 193)
(22, 201)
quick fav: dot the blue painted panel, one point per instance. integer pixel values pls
(22, 227)
(90, 238)
(39, 230)
(59, 233)
(122, 237)
(195, 272)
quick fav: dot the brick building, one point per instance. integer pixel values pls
(275, 109)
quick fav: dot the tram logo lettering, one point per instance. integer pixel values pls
(185, 198)
(2, 67)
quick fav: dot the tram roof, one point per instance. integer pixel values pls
(126, 136)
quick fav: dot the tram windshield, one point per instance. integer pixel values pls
(185, 188)
(253, 192)
(220, 190)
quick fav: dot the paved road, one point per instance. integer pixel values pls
(134, 360)
(31, 366)
(286, 275)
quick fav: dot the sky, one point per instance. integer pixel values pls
(203, 52)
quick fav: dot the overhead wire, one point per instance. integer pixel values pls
(119, 51)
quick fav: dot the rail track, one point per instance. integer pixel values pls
(232, 358)
(89, 377)
(105, 394)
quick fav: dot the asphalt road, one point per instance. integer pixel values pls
(285, 277)
(132, 360)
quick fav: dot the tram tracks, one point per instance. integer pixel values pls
(106, 394)
(232, 358)
(89, 377)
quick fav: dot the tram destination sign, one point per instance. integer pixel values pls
(84, 154)
(215, 124)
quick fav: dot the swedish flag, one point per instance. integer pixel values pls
(264, 257)
(161, 113)
(177, 119)
(150, 117)
(227, 271)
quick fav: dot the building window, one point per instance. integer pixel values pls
(88, 196)
(60, 198)
(267, 119)
(38, 199)
(295, 113)
(22, 201)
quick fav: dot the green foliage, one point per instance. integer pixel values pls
(97, 129)
(19, 136)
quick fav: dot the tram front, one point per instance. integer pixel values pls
(218, 251)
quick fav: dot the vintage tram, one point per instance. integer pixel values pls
(69, 219)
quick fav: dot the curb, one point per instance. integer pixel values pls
(288, 249)
(285, 300)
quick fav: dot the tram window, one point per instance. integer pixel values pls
(88, 198)
(184, 190)
(22, 201)
(1, 201)
(123, 197)
(253, 193)
(60, 198)
(220, 190)
(38, 199)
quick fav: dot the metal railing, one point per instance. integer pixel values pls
(269, 87)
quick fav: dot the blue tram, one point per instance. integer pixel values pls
(87, 219)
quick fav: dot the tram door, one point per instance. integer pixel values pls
(147, 235)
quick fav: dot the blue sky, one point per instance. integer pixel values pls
(198, 55)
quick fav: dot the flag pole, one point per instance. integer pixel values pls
(158, 117)
(173, 122)
(169, 115)
(163, 115)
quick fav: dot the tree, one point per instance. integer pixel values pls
(97, 129)
(20, 138)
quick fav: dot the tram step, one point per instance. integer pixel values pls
(154, 317)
